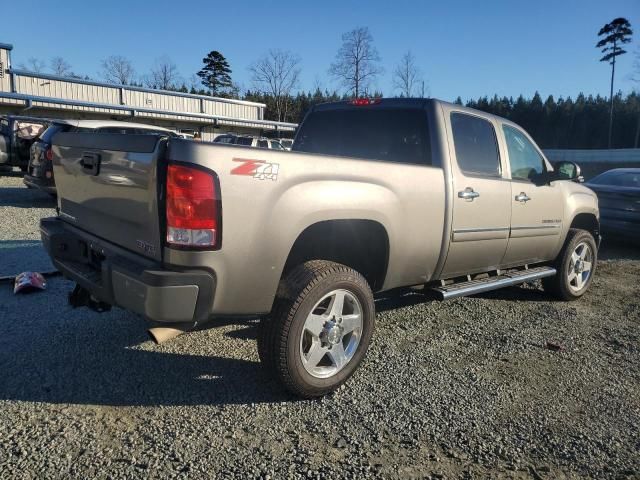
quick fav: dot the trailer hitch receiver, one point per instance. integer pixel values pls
(81, 297)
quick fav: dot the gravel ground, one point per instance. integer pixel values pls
(462, 389)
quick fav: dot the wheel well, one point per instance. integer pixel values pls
(360, 244)
(588, 222)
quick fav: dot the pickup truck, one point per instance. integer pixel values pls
(17, 134)
(39, 172)
(376, 195)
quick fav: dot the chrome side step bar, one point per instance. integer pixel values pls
(506, 279)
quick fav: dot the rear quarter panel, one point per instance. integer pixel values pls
(262, 218)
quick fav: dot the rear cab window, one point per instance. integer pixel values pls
(476, 145)
(391, 134)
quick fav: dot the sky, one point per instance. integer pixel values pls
(464, 48)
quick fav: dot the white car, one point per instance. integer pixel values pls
(287, 143)
(249, 141)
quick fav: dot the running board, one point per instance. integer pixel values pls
(506, 279)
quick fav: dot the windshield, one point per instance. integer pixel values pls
(389, 134)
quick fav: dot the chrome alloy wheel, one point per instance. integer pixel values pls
(580, 267)
(331, 334)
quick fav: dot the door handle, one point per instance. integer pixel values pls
(468, 194)
(523, 197)
(90, 162)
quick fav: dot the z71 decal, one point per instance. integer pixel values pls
(256, 168)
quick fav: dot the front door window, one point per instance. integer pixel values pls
(525, 161)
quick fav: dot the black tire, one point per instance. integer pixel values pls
(279, 333)
(559, 285)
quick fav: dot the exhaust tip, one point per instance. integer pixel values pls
(168, 332)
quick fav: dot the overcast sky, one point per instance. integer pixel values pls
(466, 48)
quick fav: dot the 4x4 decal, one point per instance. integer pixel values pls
(256, 168)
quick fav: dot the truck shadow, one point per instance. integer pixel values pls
(23, 255)
(53, 354)
(619, 248)
(19, 197)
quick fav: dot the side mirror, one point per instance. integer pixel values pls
(566, 171)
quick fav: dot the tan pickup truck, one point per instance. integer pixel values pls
(375, 195)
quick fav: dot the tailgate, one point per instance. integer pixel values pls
(108, 186)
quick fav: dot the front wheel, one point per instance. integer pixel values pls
(575, 266)
(320, 328)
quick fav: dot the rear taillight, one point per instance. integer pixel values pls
(193, 208)
(48, 154)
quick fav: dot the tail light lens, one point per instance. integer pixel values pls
(193, 208)
(48, 154)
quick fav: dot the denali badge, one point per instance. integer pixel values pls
(256, 168)
(146, 247)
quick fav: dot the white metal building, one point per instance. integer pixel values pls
(51, 96)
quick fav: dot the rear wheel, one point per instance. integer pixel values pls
(320, 328)
(575, 266)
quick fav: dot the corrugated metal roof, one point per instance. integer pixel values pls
(149, 112)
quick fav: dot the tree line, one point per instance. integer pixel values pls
(570, 123)
(561, 123)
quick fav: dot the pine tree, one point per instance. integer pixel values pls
(616, 33)
(216, 73)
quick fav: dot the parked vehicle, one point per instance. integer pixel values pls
(248, 141)
(40, 169)
(618, 193)
(17, 133)
(376, 195)
(286, 143)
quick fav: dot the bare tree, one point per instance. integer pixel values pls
(356, 63)
(33, 64)
(164, 74)
(60, 67)
(194, 83)
(635, 77)
(277, 74)
(118, 69)
(407, 77)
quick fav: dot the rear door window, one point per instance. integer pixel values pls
(476, 145)
(263, 144)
